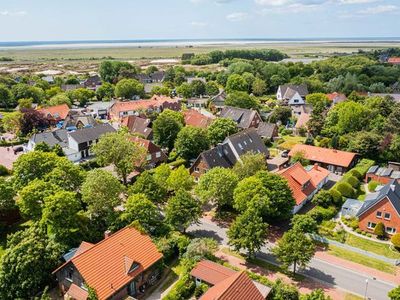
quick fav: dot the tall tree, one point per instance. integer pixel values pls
(182, 210)
(147, 184)
(219, 129)
(191, 141)
(6, 195)
(128, 88)
(6, 97)
(166, 128)
(395, 293)
(248, 232)
(242, 100)
(180, 179)
(294, 248)
(32, 120)
(236, 83)
(249, 164)
(117, 149)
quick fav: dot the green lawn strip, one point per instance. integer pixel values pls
(289, 141)
(362, 259)
(371, 246)
(352, 297)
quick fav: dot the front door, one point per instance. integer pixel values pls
(132, 288)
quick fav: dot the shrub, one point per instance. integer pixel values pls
(336, 196)
(319, 213)
(183, 289)
(358, 230)
(372, 185)
(379, 230)
(281, 290)
(363, 166)
(4, 171)
(323, 198)
(200, 290)
(345, 189)
(356, 173)
(353, 181)
(396, 240)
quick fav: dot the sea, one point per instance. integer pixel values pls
(182, 42)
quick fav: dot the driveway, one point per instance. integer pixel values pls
(7, 156)
(320, 270)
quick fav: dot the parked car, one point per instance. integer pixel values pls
(18, 149)
(285, 153)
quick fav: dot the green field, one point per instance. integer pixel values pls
(295, 50)
(371, 246)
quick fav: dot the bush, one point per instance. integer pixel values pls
(372, 185)
(323, 198)
(363, 166)
(356, 173)
(379, 230)
(336, 196)
(319, 213)
(353, 181)
(345, 189)
(183, 289)
(396, 240)
(358, 230)
(200, 290)
(4, 171)
(281, 290)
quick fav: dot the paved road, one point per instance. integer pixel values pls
(322, 271)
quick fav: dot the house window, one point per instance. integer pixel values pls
(296, 101)
(149, 157)
(196, 170)
(390, 230)
(371, 225)
(69, 272)
(240, 146)
(387, 216)
(379, 214)
(158, 154)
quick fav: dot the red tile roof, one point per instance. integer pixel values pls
(394, 60)
(83, 247)
(75, 292)
(103, 266)
(211, 272)
(302, 120)
(236, 287)
(336, 96)
(196, 119)
(58, 112)
(324, 155)
(298, 177)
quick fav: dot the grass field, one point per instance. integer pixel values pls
(362, 259)
(298, 49)
(371, 246)
(289, 141)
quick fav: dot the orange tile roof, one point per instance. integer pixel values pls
(318, 174)
(196, 119)
(83, 247)
(236, 287)
(394, 60)
(103, 266)
(324, 155)
(75, 292)
(302, 120)
(211, 272)
(58, 112)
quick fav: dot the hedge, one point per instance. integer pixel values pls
(4, 171)
(363, 166)
(345, 189)
(372, 185)
(353, 181)
(355, 173)
(337, 196)
(319, 213)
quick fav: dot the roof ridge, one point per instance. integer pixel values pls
(236, 277)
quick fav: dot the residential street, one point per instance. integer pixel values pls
(323, 271)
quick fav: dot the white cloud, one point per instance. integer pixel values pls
(357, 1)
(13, 13)
(380, 9)
(237, 16)
(198, 24)
(272, 2)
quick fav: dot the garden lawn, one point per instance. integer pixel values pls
(352, 297)
(289, 141)
(371, 246)
(362, 259)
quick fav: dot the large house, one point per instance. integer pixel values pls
(155, 104)
(382, 206)
(155, 155)
(227, 284)
(228, 152)
(335, 161)
(384, 175)
(394, 60)
(75, 144)
(336, 97)
(77, 121)
(55, 113)
(268, 131)
(155, 77)
(92, 83)
(292, 94)
(196, 119)
(244, 118)
(138, 125)
(218, 101)
(123, 264)
(304, 182)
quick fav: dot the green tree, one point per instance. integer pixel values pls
(201, 248)
(379, 230)
(180, 179)
(317, 99)
(31, 198)
(101, 192)
(27, 263)
(6, 195)
(6, 97)
(323, 198)
(317, 294)
(365, 143)
(117, 149)
(396, 240)
(182, 210)
(294, 248)
(24, 91)
(248, 232)
(166, 128)
(259, 87)
(111, 71)
(198, 87)
(33, 165)
(217, 186)
(212, 88)
(161, 90)
(128, 88)
(67, 175)
(60, 216)
(304, 223)
(236, 83)
(281, 290)
(394, 294)
(105, 92)
(185, 90)
(58, 99)
(149, 186)
(281, 114)
(249, 164)
(191, 141)
(219, 129)
(11, 122)
(242, 100)
(25, 103)
(139, 208)
(82, 95)
(299, 156)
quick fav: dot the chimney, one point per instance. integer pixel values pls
(315, 167)
(392, 187)
(107, 234)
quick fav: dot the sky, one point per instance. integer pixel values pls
(56, 20)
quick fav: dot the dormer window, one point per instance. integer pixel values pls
(240, 146)
(134, 267)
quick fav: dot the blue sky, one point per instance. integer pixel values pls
(164, 19)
